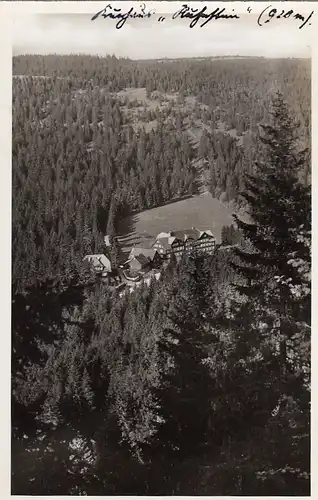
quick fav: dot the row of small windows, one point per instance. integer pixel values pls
(201, 244)
(181, 249)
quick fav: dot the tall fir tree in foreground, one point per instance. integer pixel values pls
(274, 263)
(275, 259)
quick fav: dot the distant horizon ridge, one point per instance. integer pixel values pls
(159, 59)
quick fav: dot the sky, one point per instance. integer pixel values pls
(147, 39)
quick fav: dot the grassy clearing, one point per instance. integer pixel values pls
(202, 211)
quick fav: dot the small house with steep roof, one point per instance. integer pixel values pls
(139, 263)
(150, 253)
(98, 263)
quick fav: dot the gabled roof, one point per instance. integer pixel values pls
(207, 232)
(98, 260)
(143, 261)
(163, 235)
(185, 234)
(164, 242)
(147, 252)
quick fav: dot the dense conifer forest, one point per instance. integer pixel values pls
(198, 383)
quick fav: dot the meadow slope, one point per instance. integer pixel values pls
(202, 211)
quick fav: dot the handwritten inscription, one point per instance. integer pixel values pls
(270, 13)
(196, 15)
(121, 17)
(199, 16)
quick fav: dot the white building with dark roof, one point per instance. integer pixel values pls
(191, 240)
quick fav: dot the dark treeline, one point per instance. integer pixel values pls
(198, 384)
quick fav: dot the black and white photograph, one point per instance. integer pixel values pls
(161, 249)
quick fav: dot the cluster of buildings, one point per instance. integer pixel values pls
(188, 240)
(172, 243)
(143, 261)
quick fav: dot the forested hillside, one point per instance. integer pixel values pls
(198, 384)
(80, 161)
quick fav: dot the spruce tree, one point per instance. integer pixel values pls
(185, 391)
(276, 235)
(114, 253)
(225, 235)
